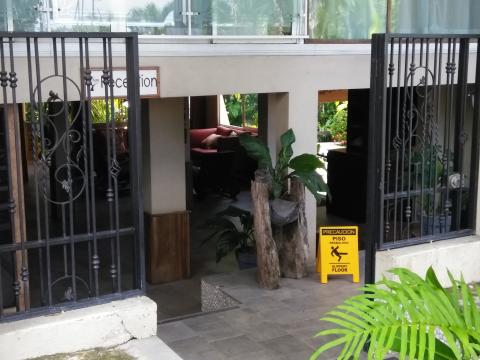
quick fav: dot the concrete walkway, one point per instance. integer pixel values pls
(278, 324)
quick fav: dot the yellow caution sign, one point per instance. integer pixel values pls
(338, 252)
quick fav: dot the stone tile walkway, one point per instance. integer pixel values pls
(278, 324)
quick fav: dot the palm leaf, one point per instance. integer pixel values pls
(403, 316)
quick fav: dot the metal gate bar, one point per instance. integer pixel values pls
(84, 196)
(423, 139)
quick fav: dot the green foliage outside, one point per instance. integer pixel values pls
(332, 117)
(413, 317)
(304, 166)
(242, 109)
(98, 109)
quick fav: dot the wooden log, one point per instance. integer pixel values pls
(292, 239)
(17, 195)
(268, 269)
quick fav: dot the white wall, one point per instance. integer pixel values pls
(196, 76)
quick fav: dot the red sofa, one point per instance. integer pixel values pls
(198, 135)
(223, 166)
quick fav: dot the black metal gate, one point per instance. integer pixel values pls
(423, 140)
(71, 212)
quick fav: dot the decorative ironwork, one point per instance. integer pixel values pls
(428, 161)
(72, 247)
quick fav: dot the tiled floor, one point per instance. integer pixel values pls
(182, 298)
(278, 324)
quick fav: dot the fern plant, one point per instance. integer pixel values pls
(413, 317)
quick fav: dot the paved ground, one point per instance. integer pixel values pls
(278, 324)
(182, 298)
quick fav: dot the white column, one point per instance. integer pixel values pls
(277, 121)
(302, 118)
(165, 188)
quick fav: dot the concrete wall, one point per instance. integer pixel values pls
(103, 325)
(461, 256)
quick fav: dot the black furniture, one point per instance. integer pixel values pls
(347, 181)
(347, 168)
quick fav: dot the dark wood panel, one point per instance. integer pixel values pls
(168, 247)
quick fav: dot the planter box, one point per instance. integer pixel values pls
(439, 225)
(246, 260)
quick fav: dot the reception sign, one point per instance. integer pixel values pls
(338, 252)
(149, 82)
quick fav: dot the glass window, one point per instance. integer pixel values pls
(157, 17)
(346, 19)
(254, 17)
(239, 110)
(436, 16)
(19, 15)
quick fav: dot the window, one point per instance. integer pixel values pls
(436, 16)
(346, 19)
(159, 17)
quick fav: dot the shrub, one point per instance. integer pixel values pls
(337, 124)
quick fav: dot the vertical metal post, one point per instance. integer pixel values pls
(376, 157)
(474, 167)
(135, 134)
(460, 135)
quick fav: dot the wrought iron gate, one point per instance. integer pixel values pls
(423, 140)
(71, 212)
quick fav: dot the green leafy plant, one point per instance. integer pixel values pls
(332, 117)
(228, 235)
(337, 124)
(326, 111)
(413, 317)
(98, 110)
(304, 166)
(242, 109)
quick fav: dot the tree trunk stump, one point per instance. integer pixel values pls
(268, 269)
(292, 239)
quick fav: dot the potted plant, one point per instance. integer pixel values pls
(429, 170)
(411, 317)
(303, 168)
(232, 230)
